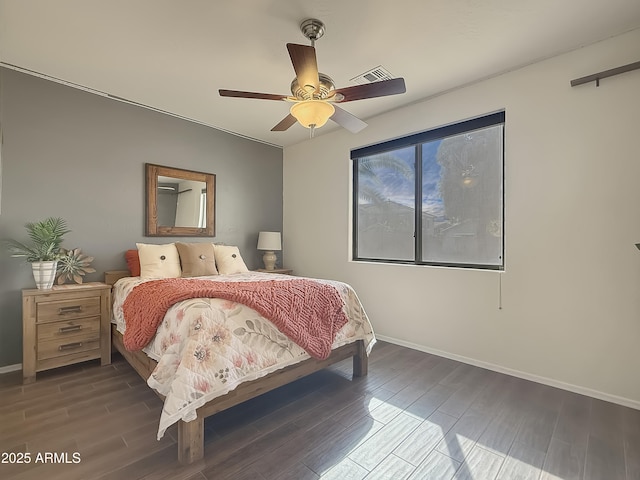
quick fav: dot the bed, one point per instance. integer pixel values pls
(186, 368)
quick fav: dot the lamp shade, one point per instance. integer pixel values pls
(269, 241)
(312, 112)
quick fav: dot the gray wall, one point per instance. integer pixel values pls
(72, 154)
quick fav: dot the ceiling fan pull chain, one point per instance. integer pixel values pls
(312, 129)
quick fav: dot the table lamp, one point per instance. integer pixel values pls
(270, 242)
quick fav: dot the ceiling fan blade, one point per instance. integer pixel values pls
(347, 120)
(261, 96)
(286, 122)
(371, 90)
(303, 58)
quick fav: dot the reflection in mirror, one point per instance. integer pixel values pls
(179, 202)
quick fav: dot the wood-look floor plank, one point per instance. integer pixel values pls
(460, 376)
(33, 428)
(391, 468)
(606, 420)
(10, 420)
(523, 463)
(481, 464)
(321, 458)
(409, 394)
(233, 460)
(289, 412)
(498, 394)
(326, 409)
(409, 374)
(574, 418)
(564, 461)
(461, 400)
(462, 437)
(428, 403)
(76, 396)
(346, 469)
(537, 428)
(437, 466)
(385, 412)
(378, 446)
(443, 368)
(605, 458)
(501, 432)
(146, 465)
(360, 407)
(418, 445)
(298, 471)
(294, 450)
(23, 401)
(199, 476)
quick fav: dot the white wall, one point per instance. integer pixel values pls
(570, 292)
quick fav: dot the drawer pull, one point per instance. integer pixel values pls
(71, 309)
(71, 328)
(69, 346)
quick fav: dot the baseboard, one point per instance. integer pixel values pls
(10, 368)
(516, 373)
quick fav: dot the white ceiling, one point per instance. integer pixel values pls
(174, 55)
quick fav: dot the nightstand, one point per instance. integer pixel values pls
(283, 271)
(64, 325)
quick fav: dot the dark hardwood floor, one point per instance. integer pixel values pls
(415, 416)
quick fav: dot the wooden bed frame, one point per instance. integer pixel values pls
(191, 434)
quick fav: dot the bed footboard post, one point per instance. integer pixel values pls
(360, 361)
(190, 441)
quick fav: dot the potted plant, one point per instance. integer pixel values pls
(73, 265)
(44, 252)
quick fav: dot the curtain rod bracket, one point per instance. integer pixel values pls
(596, 77)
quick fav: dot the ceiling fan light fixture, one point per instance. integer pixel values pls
(312, 113)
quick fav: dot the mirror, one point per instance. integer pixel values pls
(180, 203)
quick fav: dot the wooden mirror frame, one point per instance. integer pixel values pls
(152, 172)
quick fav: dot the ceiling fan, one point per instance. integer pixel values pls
(314, 95)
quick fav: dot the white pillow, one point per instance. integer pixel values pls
(159, 261)
(229, 260)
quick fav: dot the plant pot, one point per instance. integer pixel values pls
(44, 273)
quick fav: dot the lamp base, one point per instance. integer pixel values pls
(269, 259)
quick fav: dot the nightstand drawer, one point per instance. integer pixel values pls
(68, 309)
(61, 347)
(83, 327)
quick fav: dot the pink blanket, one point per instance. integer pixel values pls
(309, 313)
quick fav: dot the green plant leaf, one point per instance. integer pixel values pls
(46, 237)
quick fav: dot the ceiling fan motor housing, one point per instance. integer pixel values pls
(325, 86)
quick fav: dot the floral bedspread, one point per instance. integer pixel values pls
(206, 347)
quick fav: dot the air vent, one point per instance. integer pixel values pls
(374, 75)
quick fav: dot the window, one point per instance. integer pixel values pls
(433, 198)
